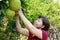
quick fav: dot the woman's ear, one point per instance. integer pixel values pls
(43, 26)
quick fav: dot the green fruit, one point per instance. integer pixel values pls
(10, 13)
(14, 4)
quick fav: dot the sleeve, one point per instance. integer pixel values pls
(44, 35)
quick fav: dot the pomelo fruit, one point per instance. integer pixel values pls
(10, 13)
(14, 4)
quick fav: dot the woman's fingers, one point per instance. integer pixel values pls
(16, 14)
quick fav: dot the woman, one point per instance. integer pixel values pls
(37, 31)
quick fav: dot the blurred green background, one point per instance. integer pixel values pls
(31, 9)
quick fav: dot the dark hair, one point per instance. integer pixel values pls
(46, 23)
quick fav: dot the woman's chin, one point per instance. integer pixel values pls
(38, 27)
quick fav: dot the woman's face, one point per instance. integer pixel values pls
(38, 23)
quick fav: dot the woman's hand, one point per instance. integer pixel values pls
(16, 14)
(19, 12)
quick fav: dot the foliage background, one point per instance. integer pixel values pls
(31, 9)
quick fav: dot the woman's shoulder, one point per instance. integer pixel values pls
(44, 35)
(45, 32)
